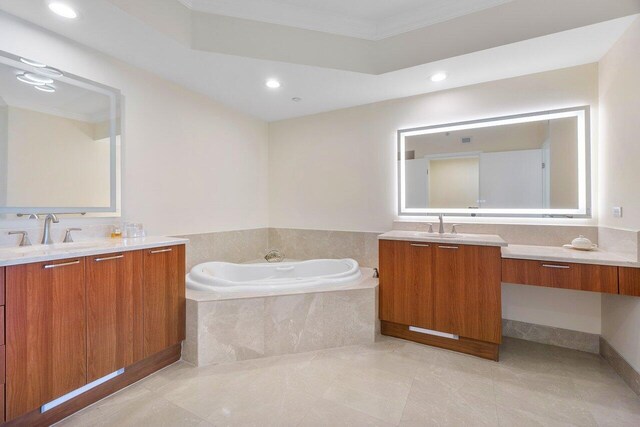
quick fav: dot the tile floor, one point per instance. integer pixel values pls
(391, 382)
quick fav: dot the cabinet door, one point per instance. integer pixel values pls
(467, 291)
(114, 306)
(406, 293)
(164, 298)
(46, 333)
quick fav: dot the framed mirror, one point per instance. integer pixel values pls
(535, 164)
(59, 141)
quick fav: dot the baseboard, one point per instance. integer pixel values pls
(558, 337)
(620, 365)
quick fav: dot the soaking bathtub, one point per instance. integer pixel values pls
(224, 277)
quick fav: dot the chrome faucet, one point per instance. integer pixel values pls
(441, 228)
(24, 241)
(46, 234)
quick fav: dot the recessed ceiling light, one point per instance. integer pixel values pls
(33, 63)
(24, 79)
(46, 88)
(63, 9)
(438, 77)
(273, 84)
(38, 78)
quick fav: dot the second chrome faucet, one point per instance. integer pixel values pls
(46, 234)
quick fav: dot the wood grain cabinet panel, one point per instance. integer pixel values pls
(582, 277)
(629, 281)
(114, 308)
(46, 333)
(164, 298)
(406, 289)
(2, 285)
(466, 281)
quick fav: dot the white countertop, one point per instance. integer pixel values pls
(41, 253)
(460, 239)
(560, 254)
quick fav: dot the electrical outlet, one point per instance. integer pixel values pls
(617, 211)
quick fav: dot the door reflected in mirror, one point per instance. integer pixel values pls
(529, 165)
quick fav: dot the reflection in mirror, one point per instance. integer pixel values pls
(531, 164)
(59, 141)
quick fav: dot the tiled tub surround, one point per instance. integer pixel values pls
(232, 327)
(227, 246)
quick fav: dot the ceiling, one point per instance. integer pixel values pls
(366, 19)
(164, 41)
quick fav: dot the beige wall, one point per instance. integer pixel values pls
(454, 183)
(190, 164)
(620, 176)
(337, 170)
(55, 161)
(563, 134)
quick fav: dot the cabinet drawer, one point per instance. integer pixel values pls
(581, 277)
(629, 281)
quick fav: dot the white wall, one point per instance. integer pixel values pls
(337, 170)
(620, 176)
(190, 164)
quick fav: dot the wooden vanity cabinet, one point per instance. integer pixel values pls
(2, 347)
(164, 298)
(452, 289)
(114, 308)
(467, 291)
(629, 281)
(580, 277)
(72, 321)
(406, 283)
(46, 330)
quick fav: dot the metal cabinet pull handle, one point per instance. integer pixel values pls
(108, 258)
(160, 251)
(448, 247)
(62, 265)
(556, 266)
(420, 246)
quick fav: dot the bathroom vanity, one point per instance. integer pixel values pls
(103, 315)
(442, 291)
(445, 290)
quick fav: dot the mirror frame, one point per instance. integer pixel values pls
(115, 109)
(582, 113)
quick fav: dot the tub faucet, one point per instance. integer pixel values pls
(441, 228)
(46, 234)
(274, 256)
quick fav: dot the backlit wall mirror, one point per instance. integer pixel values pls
(535, 164)
(59, 141)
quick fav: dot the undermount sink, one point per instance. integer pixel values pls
(38, 250)
(438, 235)
(79, 245)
